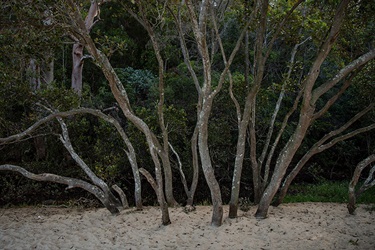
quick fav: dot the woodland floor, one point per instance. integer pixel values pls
(290, 226)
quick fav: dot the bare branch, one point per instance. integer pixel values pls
(185, 51)
(362, 60)
(278, 103)
(150, 179)
(70, 182)
(183, 178)
(122, 195)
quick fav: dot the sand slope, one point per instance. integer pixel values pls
(290, 226)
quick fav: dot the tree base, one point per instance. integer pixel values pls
(260, 215)
(232, 211)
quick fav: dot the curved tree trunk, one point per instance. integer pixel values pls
(217, 214)
(122, 99)
(195, 162)
(310, 96)
(71, 182)
(159, 194)
(370, 181)
(283, 162)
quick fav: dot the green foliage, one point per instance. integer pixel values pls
(326, 191)
(137, 83)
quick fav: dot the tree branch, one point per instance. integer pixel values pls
(150, 179)
(362, 60)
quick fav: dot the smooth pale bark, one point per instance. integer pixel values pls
(64, 138)
(244, 119)
(122, 99)
(78, 56)
(199, 26)
(130, 152)
(266, 146)
(34, 74)
(70, 182)
(370, 181)
(194, 138)
(195, 164)
(150, 179)
(320, 146)
(208, 171)
(198, 19)
(122, 195)
(344, 72)
(77, 68)
(306, 115)
(164, 150)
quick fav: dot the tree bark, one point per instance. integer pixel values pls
(244, 119)
(357, 173)
(122, 195)
(78, 47)
(320, 146)
(306, 115)
(122, 99)
(70, 182)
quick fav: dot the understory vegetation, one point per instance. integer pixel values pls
(169, 103)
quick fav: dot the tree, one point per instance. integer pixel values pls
(310, 96)
(275, 102)
(121, 97)
(77, 51)
(99, 188)
(369, 182)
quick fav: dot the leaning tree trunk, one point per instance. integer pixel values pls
(217, 213)
(237, 172)
(310, 97)
(71, 182)
(120, 95)
(122, 99)
(164, 153)
(353, 195)
(283, 162)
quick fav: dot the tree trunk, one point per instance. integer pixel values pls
(64, 138)
(195, 163)
(159, 194)
(121, 97)
(217, 214)
(306, 113)
(48, 67)
(122, 195)
(77, 68)
(34, 74)
(77, 51)
(357, 173)
(71, 182)
(283, 162)
(237, 172)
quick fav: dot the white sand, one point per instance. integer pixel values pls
(290, 226)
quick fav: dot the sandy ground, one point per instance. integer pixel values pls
(290, 226)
